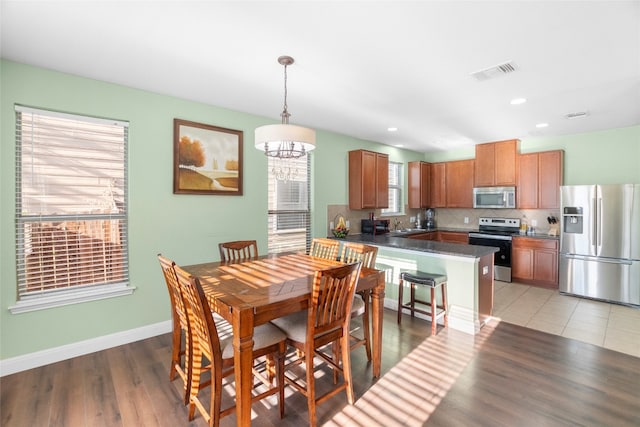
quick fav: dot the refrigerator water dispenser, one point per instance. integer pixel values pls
(572, 218)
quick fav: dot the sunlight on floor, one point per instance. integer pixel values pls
(411, 391)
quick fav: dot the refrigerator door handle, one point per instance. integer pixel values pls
(598, 259)
(594, 226)
(599, 224)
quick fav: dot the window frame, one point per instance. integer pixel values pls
(397, 176)
(284, 167)
(77, 289)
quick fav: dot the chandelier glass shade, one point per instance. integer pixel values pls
(283, 140)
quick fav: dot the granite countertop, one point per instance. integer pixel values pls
(414, 231)
(538, 236)
(392, 240)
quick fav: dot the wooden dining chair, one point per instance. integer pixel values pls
(366, 254)
(325, 322)
(324, 248)
(238, 250)
(180, 363)
(215, 342)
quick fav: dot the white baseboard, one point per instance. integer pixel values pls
(53, 355)
(460, 319)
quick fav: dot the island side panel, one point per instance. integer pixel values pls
(462, 282)
(485, 288)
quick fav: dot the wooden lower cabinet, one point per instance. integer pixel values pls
(535, 261)
(453, 237)
(431, 235)
(442, 236)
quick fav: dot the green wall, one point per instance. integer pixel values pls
(604, 157)
(186, 227)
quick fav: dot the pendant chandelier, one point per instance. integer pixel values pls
(285, 141)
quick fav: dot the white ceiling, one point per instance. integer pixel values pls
(361, 66)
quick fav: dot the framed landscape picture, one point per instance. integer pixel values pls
(206, 159)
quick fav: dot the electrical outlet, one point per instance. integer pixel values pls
(466, 220)
(534, 223)
(412, 219)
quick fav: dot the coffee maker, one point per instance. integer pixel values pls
(430, 221)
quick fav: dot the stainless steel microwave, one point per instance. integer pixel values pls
(494, 197)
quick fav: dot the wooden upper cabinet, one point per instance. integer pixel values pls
(368, 180)
(539, 180)
(419, 185)
(496, 163)
(485, 165)
(437, 185)
(550, 178)
(459, 183)
(527, 192)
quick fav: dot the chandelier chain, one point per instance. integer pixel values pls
(285, 113)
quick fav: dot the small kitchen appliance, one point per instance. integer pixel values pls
(430, 219)
(494, 197)
(374, 226)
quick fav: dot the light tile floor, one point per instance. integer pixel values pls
(611, 326)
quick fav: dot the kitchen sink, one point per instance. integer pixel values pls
(408, 230)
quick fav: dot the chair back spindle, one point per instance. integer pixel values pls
(238, 251)
(324, 248)
(354, 252)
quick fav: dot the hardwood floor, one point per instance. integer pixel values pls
(507, 375)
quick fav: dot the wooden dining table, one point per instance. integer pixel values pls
(250, 293)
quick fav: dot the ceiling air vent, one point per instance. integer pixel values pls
(495, 71)
(576, 115)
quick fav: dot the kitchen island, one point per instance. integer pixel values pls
(469, 271)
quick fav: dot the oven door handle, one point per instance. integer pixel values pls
(489, 237)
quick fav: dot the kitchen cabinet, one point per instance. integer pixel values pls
(368, 180)
(419, 181)
(496, 163)
(442, 236)
(453, 237)
(539, 180)
(437, 185)
(535, 261)
(459, 183)
(431, 235)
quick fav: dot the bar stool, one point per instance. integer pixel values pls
(434, 281)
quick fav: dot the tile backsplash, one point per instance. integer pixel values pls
(445, 217)
(354, 217)
(455, 218)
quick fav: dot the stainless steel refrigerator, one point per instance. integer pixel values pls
(600, 242)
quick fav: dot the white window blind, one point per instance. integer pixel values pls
(395, 190)
(71, 205)
(289, 209)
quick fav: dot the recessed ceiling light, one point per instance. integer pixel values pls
(542, 125)
(518, 101)
(399, 145)
(392, 129)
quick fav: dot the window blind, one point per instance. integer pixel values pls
(395, 190)
(71, 202)
(289, 215)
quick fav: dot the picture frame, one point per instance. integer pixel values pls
(207, 159)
